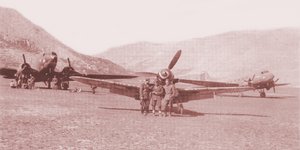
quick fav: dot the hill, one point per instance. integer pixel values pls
(227, 56)
(20, 36)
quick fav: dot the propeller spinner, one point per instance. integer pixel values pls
(167, 73)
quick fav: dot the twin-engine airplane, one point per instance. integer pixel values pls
(259, 82)
(130, 87)
(46, 73)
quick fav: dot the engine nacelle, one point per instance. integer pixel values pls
(163, 75)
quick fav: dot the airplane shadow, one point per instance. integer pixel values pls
(187, 113)
(230, 114)
(46, 88)
(250, 96)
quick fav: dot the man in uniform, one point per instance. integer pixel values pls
(169, 96)
(157, 95)
(145, 90)
(31, 82)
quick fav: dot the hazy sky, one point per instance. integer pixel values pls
(92, 26)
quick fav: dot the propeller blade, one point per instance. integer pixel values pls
(69, 62)
(274, 88)
(253, 77)
(146, 74)
(276, 80)
(175, 59)
(24, 59)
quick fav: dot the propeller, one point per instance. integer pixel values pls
(69, 70)
(250, 80)
(24, 59)
(274, 84)
(175, 59)
(166, 73)
(25, 65)
(69, 62)
(253, 77)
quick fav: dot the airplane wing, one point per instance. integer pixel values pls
(114, 87)
(185, 94)
(108, 76)
(209, 83)
(281, 84)
(8, 72)
(98, 76)
(188, 94)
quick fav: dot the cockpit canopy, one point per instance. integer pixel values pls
(264, 72)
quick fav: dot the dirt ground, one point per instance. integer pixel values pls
(52, 119)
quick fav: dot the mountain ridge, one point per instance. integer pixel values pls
(226, 56)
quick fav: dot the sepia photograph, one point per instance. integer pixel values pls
(149, 74)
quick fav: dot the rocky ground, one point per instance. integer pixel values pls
(51, 119)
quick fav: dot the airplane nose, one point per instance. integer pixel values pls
(272, 76)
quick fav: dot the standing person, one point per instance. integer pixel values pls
(169, 96)
(31, 82)
(145, 90)
(157, 95)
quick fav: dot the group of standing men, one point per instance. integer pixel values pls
(23, 81)
(159, 96)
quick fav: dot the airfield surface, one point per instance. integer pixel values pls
(56, 119)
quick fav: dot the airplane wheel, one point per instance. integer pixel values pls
(263, 94)
(65, 85)
(49, 84)
(25, 86)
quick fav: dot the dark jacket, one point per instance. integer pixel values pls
(145, 90)
(169, 92)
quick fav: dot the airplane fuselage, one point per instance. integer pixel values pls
(47, 63)
(264, 80)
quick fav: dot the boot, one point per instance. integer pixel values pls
(159, 113)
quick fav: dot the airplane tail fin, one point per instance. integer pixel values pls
(204, 76)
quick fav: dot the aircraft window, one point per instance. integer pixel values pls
(263, 72)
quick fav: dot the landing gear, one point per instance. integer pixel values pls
(25, 81)
(49, 83)
(262, 94)
(65, 85)
(60, 83)
(93, 89)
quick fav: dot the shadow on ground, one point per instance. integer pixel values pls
(252, 96)
(188, 113)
